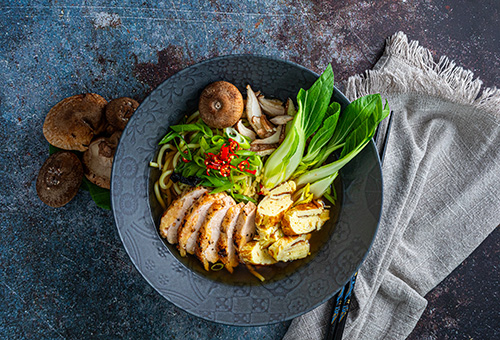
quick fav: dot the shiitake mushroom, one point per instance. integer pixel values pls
(119, 111)
(73, 122)
(221, 105)
(59, 179)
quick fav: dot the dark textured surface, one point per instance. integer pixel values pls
(64, 272)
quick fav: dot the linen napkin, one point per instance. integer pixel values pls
(441, 189)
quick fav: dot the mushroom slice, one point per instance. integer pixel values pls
(263, 149)
(98, 160)
(119, 111)
(290, 108)
(273, 139)
(221, 105)
(267, 128)
(244, 131)
(281, 120)
(74, 121)
(254, 113)
(273, 107)
(59, 179)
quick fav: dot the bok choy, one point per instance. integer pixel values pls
(326, 129)
(312, 106)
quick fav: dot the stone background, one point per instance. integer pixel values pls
(64, 272)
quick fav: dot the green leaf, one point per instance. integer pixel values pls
(243, 198)
(101, 196)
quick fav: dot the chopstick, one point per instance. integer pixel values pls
(343, 297)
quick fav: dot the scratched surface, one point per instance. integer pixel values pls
(64, 272)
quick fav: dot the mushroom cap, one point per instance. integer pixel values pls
(74, 121)
(98, 160)
(221, 105)
(119, 111)
(59, 179)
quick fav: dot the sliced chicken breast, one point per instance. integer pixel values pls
(206, 249)
(188, 233)
(245, 226)
(175, 213)
(225, 246)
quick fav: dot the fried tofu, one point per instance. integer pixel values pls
(253, 253)
(305, 218)
(271, 209)
(290, 248)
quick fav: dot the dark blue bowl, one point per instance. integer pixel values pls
(217, 296)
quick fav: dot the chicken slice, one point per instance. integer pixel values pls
(245, 226)
(225, 246)
(188, 233)
(173, 216)
(206, 245)
(304, 218)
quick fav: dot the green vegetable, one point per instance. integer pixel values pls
(312, 104)
(320, 139)
(355, 129)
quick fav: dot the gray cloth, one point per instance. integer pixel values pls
(441, 189)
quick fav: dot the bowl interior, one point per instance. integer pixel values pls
(285, 85)
(287, 293)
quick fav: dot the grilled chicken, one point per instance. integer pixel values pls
(305, 218)
(225, 246)
(245, 226)
(290, 248)
(173, 216)
(253, 253)
(206, 249)
(271, 209)
(188, 233)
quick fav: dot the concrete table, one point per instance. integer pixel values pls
(64, 272)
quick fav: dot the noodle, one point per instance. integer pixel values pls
(177, 189)
(158, 196)
(161, 152)
(162, 178)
